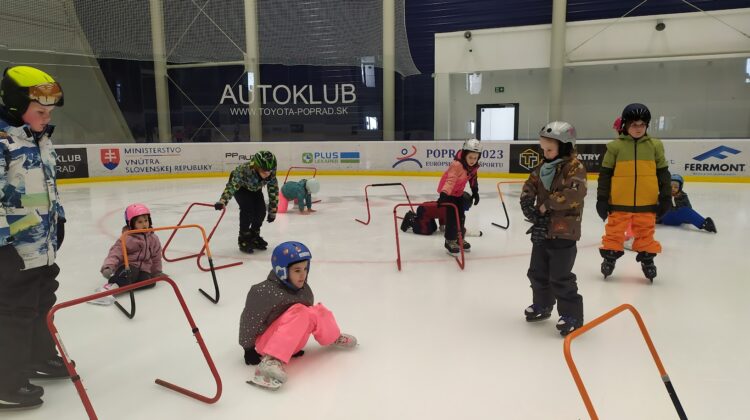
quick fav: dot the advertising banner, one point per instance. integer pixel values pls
(72, 162)
(714, 158)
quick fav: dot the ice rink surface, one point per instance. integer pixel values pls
(435, 342)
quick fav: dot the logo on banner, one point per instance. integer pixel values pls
(72, 163)
(307, 157)
(349, 157)
(330, 157)
(529, 159)
(717, 153)
(407, 157)
(110, 158)
(716, 168)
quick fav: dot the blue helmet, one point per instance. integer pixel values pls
(678, 178)
(286, 254)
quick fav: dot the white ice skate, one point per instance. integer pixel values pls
(106, 300)
(345, 341)
(265, 382)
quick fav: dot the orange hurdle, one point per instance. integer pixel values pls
(502, 201)
(460, 261)
(130, 314)
(577, 377)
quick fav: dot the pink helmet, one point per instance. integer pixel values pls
(134, 210)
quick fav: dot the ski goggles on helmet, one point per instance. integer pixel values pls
(46, 94)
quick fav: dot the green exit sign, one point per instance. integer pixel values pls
(499, 89)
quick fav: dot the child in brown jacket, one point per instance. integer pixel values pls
(552, 199)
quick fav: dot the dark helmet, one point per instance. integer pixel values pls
(264, 160)
(635, 112)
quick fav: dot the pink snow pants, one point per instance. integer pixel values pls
(290, 332)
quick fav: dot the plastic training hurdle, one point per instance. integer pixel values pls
(367, 198)
(202, 252)
(130, 314)
(129, 288)
(460, 261)
(646, 337)
(502, 202)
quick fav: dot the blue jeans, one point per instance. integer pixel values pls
(682, 215)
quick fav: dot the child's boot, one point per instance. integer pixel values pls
(346, 341)
(567, 324)
(271, 367)
(452, 246)
(647, 264)
(608, 264)
(708, 225)
(537, 313)
(243, 241)
(257, 242)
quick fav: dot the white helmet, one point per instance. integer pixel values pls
(559, 130)
(472, 145)
(312, 186)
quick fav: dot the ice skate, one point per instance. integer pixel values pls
(271, 367)
(408, 221)
(708, 225)
(647, 264)
(452, 247)
(257, 241)
(243, 242)
(608, 264)
(106, 300)
(53, 368)
(265, 382)
(537, 313)
(345, 341)
(568, 324)
(467, 246)
(27, 396)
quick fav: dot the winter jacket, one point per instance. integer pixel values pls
(245, 176)
(296, 190)
(564, 200)
(29, 201)
(453, 182)
(634, 175)
(681, 200)
(144, 252)
(265, 302)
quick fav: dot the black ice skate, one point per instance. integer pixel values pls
(708, 225)
(257, 242)
(244, 242)
(467, 246)
(452, 246)
(49, 369)
(27, 396)
(537, 313)
(608, 265)
(647, 264)
(408, 221)
(568, 324)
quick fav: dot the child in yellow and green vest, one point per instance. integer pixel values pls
(634, 187)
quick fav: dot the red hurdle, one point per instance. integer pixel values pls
(367, 198)
(203, 250)
(460, 261)
(502, 201)
(129, 288)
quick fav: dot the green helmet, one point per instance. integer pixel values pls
(264, 160)
(23, 84)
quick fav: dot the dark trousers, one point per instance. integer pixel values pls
(552, 279)
(134, 276)
(451, 230)
(25, 299)
(252, 209)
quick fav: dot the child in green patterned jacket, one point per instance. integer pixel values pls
(246, 186)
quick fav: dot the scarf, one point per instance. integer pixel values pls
(547, 172)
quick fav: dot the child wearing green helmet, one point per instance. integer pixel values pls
(246, 184)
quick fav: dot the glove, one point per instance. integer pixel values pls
(665, 205)
(539, 230)
(602, 208)
(219, 205)
(251, 357)
(107, 273)
(60, 232)
(475, 195)
(527, 207)
(10, 260)
(271, 217)
(443, 198)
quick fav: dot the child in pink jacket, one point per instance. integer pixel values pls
(280, 316)
(144, 255)
(461, 171)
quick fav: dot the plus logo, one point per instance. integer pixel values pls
(718, 153)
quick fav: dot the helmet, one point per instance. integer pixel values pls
(678, 178)
(635, 112)
(23, 84)
(286, 254)
(134, 210)
(466, 201)
(312, 186)
(561, 131)
(472, 145)
(264, 160)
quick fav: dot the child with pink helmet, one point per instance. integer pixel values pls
(144, 254)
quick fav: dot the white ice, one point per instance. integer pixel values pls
(436, 342)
